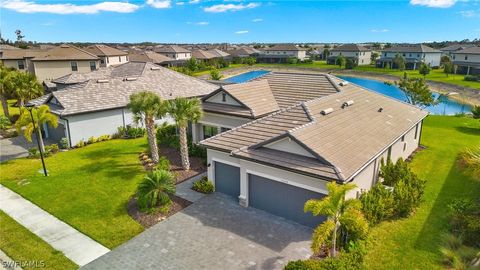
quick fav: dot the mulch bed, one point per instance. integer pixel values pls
(197, 165)
(148, 220)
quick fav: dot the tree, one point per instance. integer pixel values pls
(183, 110)
(476, 111)
(25, 87)
(399, 62)
(340, 214)
(448, 68)
(416, 91)
(146, 106)
(41, 116)
(326, 52)
(192, 64)
(250, 61)
(215, 75)
(445, 59)
(155, 189)
(19, 35)
(340, 61)
(350, 64)
(424, 69)
(6, 87)
(374, 57)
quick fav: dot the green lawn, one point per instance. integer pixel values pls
(11, 109)
(413, 243)
(88, 188)
(22, 245)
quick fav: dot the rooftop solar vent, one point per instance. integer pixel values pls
(327, 111)
(155, 68)
(102, 81)
(347, 103)
(131, 79)
(344, 83)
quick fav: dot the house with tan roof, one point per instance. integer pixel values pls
(280, 53)
(414, 55)
(359, 54)
(20, 59)
(151, 57)
(243, 52)
(108, 55)
(174, 51)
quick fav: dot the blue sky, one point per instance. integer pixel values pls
(237, 21)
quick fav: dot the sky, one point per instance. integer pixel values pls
(240, 21)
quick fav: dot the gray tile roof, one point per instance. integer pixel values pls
(413, 48)
(350, 48)
(456, 47)
(152, 57)
(471, 50)
(284, 47)
(171, 49)
(104, 50)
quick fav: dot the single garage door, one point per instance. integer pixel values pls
(282, 199)
(227, 179)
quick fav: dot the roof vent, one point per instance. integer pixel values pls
(380, 109)
(327, 111)
(131, 78)
(347, 103)
(344, 83)
(155, 68)
(102, 81)
(64, 46)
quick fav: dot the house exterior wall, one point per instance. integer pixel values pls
(216, 120)
(115, 60)
(218, 98)
(49, 70)
(178, 56)
(298, 54)
(471, 58)
(433, 59)
(286, 145)
(362, 58)
(14, 64)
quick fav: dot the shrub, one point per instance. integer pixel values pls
(52, 148)
(469, 161)
(203, 186)
(456, 255)
(350, 64)
(4, 122)
(197, 151)
(33, 152)
(163, 164)
(167, 135)
(64, 143)
(215, 75)
(92, 140)
(250, 61)
(292, 60)
(121, 132)
(472, 78)
(155, 189)
(476, 111)
(465, 220)
(80, 144)
(304, 265)
(378, 204)
(104, 138)
(135, 132)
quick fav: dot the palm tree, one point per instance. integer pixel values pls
(340, 213)
(184, 110)
(6, 87)
(25, 87)
(155, 189)
(41, 116)
(146, 106)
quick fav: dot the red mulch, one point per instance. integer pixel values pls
(147, 220)
(197, 165)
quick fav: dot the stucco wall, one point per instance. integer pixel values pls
(218, 98)
(49, 70)
(216, 120)
(298, 54)
(471, 58)
(115, 60)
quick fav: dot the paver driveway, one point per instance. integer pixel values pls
(213, 233)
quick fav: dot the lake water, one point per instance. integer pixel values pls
(247, 76)
(447, 106)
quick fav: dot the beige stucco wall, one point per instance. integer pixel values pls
(298, 54)
(471, 58)
(178, 56)
(115, 60)
(362, 58)
(49, 70)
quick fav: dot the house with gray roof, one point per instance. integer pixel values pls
(449, 50)
(280, 53)
(152, 57)
(108, 56)
(414, 55)
(359, 54)
(243, 52)
(174, 51)
(318, 132)
(467, 61)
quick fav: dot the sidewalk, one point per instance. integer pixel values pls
(76, 246)
(184, 190)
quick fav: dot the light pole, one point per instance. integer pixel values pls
(30, 108)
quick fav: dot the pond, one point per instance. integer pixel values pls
(446, 106)
(247, 76)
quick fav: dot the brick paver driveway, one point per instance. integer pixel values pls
(213, 233)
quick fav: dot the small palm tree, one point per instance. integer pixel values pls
(155, 189)
(339, 213)
(184, 110)
(146, 106)
(41, 116)
(6, 87)
(25, 87)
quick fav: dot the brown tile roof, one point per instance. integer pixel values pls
(65, 52)
(18, 54)
(203, 55)
(152, 57)
(8, 47)
(171, 49)
(285, 47)
(218, 53)
(243, 51)
(350, 48)
(343, 141)
(104, 50)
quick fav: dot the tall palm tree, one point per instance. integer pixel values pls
(41, 116)
(155, 189)
(146, 106)
(184, 110)
(6, 87)
(26, 87)
(339, 213)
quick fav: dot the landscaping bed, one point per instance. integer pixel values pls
(197, 165)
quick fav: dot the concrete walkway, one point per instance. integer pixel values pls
(184, 190)
(8, 264)
(76, 246)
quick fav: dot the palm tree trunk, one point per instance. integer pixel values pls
(5, 106)
(40, 139)
(334, 240)
(152, 141)
(184, 148)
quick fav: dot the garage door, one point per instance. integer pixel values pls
(227, 179)
(282, 199)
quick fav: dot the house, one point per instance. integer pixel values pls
(203, 55)
(359, 54)
(243, 52)
(6, 47)
(219, 54)
(449, 50)
(175, 52)
(281, 53)
(467, 61)
(94, 103)
(151, 57)
(108, 55)
(20, 59)
(277, 162)
(413, 55)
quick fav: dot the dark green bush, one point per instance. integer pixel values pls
(350, 64)
(378, 204)
(203, 186)
(4, 122)
(167, 135)
(304, 265)
(163, 164)
(135, 132)
(292, 60)
(465, 220)
(472, 78)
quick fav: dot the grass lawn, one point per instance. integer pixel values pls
(11, 109)
(413, 243)
(200, 73)
(88, 188)
(22, 245)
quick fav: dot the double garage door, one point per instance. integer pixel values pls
(275, 197)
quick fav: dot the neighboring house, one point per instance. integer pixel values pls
(244, 52)
(281, 53)
(278, 162)
(175, 52)
(108, 56)
(151, 57)
(94, 104)
(450, 50)
(467, 61)
(203, 55)
(219, 54)
(6, 47)
(413, 54)
(20, 59)
(359, 54)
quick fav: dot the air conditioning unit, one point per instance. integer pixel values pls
(327, 111)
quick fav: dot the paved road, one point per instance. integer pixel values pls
(213, 233)
(12, 148)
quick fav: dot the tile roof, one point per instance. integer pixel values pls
(203, 55)
(285, 47)
(65, 52)
(350, 48)
(8, 47)
(114, 90)
(218, 53)
(456, 47)
(471, 50)
(171, 49)
(18, 54)
(104, 50)
(413, 48)
(343, 141)
(243, 51)
(152, 57)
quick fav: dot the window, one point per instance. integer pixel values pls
(93, 65)
(403, 54)
(389, 153)
(21, 64)
(418, 55)
(102, 61)
(385, 55)
(209, 131)
(108, 61)
(224, 97)
(410, 55)
(119, 59)
(466, 57)
(74, 66)
(453, 57)
(403, 138)
(224, 129)
(416, 131)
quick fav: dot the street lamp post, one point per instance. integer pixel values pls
(30, 108)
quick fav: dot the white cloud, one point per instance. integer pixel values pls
(159, 3)
(180, 3)
(23, 6)
(241, 32)
(230, 7)
(379, 30)
(194, 1)
(47, 24)
(434, 3)
(202, 23)
(468, 13)
(257, 20)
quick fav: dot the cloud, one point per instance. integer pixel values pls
(229, 7)
(379, 30)
(434, 3)
(241, 32)
(194, 1)
(23, 6)
(468, 13)
(47, 24)
(159, 3)
(180, 3)
(202, 23)
(257, 20)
